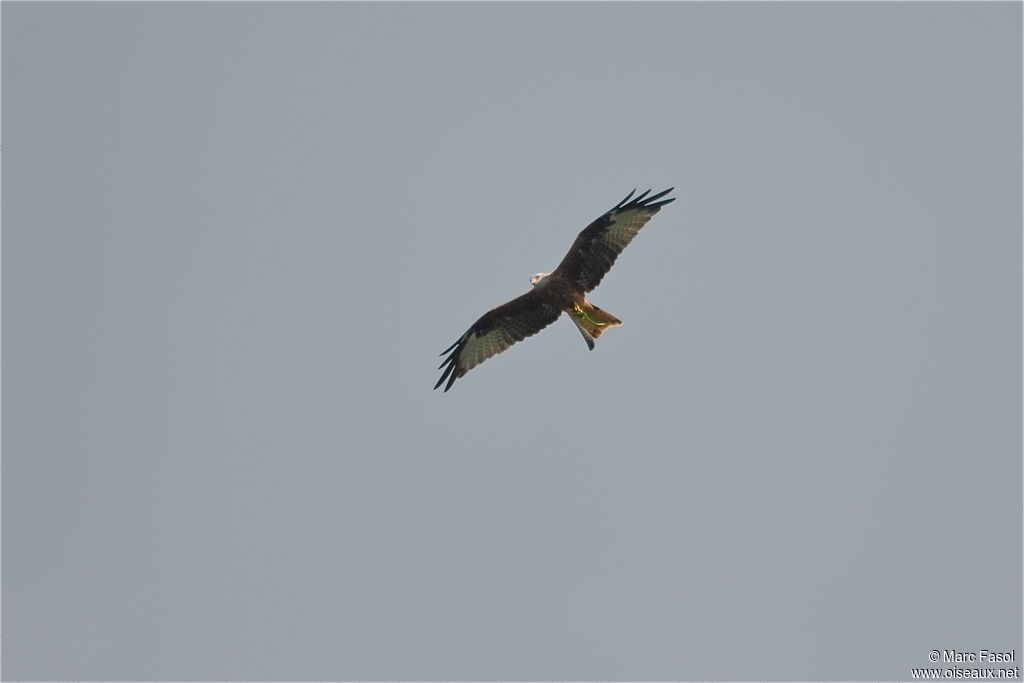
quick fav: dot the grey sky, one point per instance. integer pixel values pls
(236, 236)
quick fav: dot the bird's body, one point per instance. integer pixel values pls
(562, 290)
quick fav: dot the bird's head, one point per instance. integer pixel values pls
(539, 278)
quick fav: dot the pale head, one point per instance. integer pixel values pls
(538, 278)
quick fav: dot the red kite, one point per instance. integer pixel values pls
(589, 258)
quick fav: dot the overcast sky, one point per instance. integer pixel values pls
(236, 236)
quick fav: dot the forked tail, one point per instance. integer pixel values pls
(591, 321)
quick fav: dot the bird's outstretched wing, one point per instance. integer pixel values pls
(494, 332)
(601, 242)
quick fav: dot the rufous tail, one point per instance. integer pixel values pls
(591, 321)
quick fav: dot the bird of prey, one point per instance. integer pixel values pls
(589, 258)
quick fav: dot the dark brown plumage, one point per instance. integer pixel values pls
(589, 258)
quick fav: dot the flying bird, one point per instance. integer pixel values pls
(590, 257)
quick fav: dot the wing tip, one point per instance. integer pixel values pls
(449, 364)
(645, 202)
